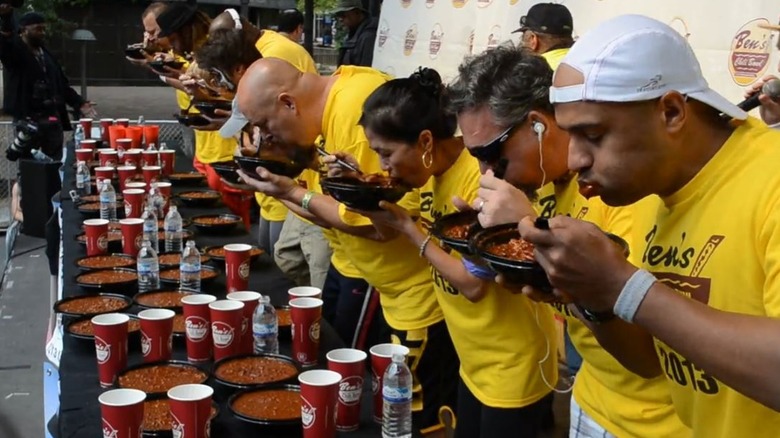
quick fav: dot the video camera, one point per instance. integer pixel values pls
(28, 135)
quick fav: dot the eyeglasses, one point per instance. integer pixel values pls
(221, 79)
(491, 152)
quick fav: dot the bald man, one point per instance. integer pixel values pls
(295, 108)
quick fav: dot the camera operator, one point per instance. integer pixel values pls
(37, 90)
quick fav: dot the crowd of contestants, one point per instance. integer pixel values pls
(626, 137)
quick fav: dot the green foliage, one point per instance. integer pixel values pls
(57, 26)
(320, 6)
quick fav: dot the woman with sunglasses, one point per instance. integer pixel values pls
(505, 341)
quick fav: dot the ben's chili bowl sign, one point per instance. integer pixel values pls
(750, 47)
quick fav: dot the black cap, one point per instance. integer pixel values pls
(174, 17)
(550, 18)
(31, 18)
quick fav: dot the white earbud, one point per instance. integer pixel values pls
(539, 128)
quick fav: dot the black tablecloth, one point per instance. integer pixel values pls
(79, 414)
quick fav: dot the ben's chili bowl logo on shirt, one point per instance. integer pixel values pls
(197, 328)
(109, 431)
(350, 389)
(222, 333)
(750, 52)
(494, 37)
(384, 32)
(102, 350)
(308, 413)
(437, 35)
(410, 38)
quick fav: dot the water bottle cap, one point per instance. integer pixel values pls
(399, 357)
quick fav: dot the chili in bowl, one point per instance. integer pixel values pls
(253, 370)
(157, 416)
(171, 259)
(91, 305)
(284, 319)
(366, 192)
(200, 198)
(217, 253)
(187, 178)
(172, 276)
(273, 405)
(81, 331)
(114, 239)
(161, 299)
(159, 377)
(216, 223)
(103, 279)
(454, 229)
(106, 262)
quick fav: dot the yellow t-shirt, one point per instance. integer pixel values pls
(554, 57)
(623, 403)
(210, 147)
(717, 241)
(183, 100)
(402, 278)
(501, 339)
(274, 45)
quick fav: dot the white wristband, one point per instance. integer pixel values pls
(632, 295)
(164, 79)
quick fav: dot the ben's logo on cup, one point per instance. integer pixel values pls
(374, 383)
(108, 430)
(244, 325)
(178, 427)
(102, 350)
(243, 270)
(102, 241)
(410, 38)
(750, 52)
(128, 208)
(292, 329)
(197, 328)
(384, 32)
(437, 34)
(222, 333)
(350, 389)
(314, 331)
(110, 162)
(308, 413)
(146, 344)
(302, 357)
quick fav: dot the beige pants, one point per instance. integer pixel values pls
(302, 252)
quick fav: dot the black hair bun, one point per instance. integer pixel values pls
(429, 81)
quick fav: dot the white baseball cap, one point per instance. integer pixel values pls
(235, 123)
(633, 58)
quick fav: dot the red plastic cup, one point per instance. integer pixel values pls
(156, 334)
(126, 175)
(124, 144)
(381, 357)
(122, 412)
(115, 132)
(122, 122)
(132, 158)
(86, 126)
(132, 235)
(250, 300)
(104, 132)
(110, 345)
(108, 157)
(96, 231)
(167, 161)
(151, 174)
(304, 292)
(88, 144)
(137, 185)
(306, 314)
(136, 133)
(226, 317)
(85, 155)
(151, 134)
(103, 173)
(165, 189)
(319, 400)
(197, 321)
(351, 364)
(191, 410)
(237, 263)
(134, 202)
(150, 158)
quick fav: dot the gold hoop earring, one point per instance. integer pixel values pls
(427, 159)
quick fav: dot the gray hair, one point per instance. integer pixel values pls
(510, 81)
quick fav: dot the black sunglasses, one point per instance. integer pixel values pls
(491, 152)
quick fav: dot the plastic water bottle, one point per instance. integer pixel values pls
(190, 267)
(172, 228)
(141, 121)
(83, 180)
(107, 200)
(148, 268)
(397, 399)
(156, 202)
(78, 136)
(265, 327)
(150, 227)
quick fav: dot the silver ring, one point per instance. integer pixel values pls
(481, 204)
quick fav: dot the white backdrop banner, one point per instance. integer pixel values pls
(733, 51)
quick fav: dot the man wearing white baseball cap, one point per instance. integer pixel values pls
(643, 122)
